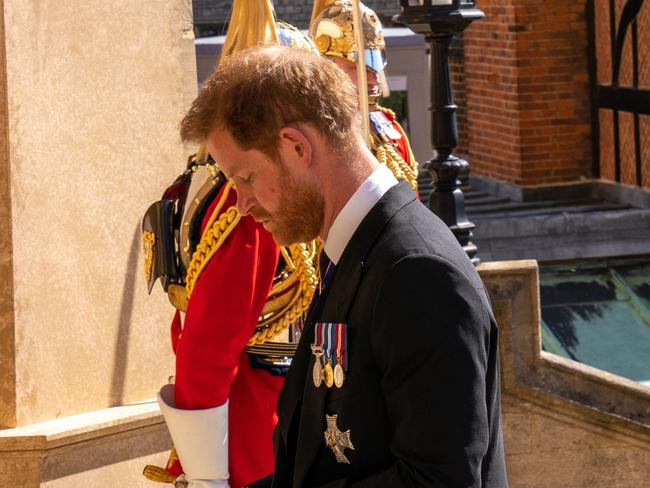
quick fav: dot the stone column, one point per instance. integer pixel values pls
(91, 93)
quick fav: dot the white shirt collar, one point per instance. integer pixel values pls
(355, 210)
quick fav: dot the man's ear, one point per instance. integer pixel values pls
(295, 146)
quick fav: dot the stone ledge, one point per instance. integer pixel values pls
(108, 447)
(83, 427)
(498, 268)
(592, 396)
(587, 188)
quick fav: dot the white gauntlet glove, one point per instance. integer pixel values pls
(201, 440)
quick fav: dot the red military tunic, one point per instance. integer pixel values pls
(402, 144)
(391, 145)
(211, 366)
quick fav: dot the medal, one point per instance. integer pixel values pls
(341, 353)
(317, 372)
(339, 375)
(331, 351)
(338, 441)
(329, 374)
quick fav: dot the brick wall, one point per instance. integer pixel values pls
(527, 90)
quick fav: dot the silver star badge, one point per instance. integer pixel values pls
(336, 440)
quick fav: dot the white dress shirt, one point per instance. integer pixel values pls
(346, 222)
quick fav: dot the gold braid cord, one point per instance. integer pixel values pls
(211, 241)
(291, 293)
(386, 153)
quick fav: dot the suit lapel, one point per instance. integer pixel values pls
(291, 393)
(335, 308)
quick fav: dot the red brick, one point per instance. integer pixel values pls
(525, 89)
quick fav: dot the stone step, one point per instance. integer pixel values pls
(510, 206)
(477, 202)
(588, 208)
(473, 195)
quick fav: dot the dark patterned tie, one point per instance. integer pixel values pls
(327, 269)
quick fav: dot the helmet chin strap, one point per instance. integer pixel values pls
(374, 94)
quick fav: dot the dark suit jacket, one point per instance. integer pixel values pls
(421, 396)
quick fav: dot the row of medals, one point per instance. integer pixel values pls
(323, 371)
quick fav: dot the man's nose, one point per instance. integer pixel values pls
(245, 202)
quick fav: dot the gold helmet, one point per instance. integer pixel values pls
(331, 28)
(253, 23)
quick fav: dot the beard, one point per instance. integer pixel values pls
(300, 212)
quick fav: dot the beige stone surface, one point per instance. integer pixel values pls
(105, 448)
(544, 448)
(7, 357)
(125, 474)
(95, 91)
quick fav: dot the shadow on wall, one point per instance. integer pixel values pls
(121, 350)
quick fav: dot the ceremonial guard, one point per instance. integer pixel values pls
(332, 29)
(239, 301)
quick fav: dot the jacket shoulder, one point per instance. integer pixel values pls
(415, 230)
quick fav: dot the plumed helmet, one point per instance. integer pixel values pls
(252, 23)
(331, 28)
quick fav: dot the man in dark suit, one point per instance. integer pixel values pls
(396, 378)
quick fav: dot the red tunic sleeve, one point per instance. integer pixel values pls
(222, 313)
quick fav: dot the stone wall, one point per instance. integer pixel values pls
(546, 448)
(89, 113)
(565, 424)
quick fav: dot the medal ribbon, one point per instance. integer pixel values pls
(317, 341)
(341, 343)
(332, 342)
(333, 339)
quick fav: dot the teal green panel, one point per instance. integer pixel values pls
(598, 313)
